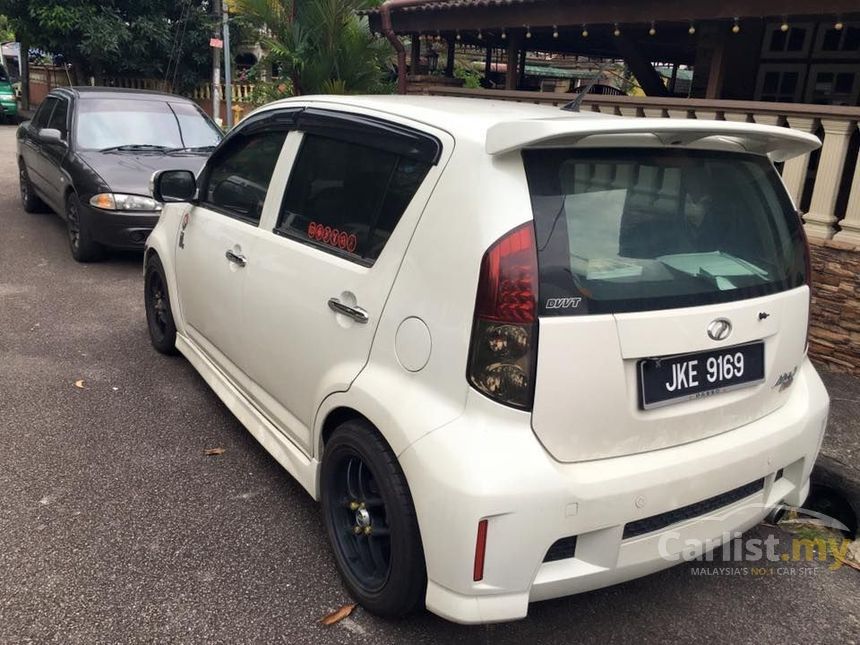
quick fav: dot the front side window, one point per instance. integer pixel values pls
(237, 179)
(641, 229)
(40, 120)
(58, 117)
(346, 197)
(110, 123)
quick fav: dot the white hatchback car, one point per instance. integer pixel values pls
(510, 348)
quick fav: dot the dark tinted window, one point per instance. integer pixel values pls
(635, 230)
(238, 177)
(58, 118)
(40, 120)
(348, 197)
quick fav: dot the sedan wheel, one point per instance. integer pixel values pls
(32, 204)
(83, 247)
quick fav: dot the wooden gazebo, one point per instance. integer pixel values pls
(722, 41)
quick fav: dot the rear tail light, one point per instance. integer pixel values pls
(504, 333)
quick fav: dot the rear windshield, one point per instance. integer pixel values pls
(640, 229)
(107, 123)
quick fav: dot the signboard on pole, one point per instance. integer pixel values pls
(217, 43)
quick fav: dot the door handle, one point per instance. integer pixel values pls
(235, 258)
(356, 313)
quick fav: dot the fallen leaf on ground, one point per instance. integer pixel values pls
(339, 615)
(213, 452)
(852, 556)
(80, 384)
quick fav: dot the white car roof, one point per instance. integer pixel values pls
(504, 126)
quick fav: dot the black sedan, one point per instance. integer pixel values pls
(89, 153)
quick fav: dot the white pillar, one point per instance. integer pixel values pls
(794, 171)
(628, 111)
(850, 232)
(821, 216)
(654, 113)
(738, 117)
(710, 115)
(679, 114)
(767, 119)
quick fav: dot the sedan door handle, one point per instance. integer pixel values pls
(235, 258)
(356, 313)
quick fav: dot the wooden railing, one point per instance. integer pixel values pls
(241, 92)
(155, 84)
(827, 182)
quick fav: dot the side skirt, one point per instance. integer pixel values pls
(305, 470)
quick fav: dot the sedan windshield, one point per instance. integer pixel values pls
(128, 124)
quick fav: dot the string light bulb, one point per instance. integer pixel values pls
(480, 35)
(458, 34)
(784, 26)
(528, 32)
(616, 32)
(736, 27)
(438, 36)
(839, 25)
(555, 31)
(585, 31)
(653, 30)
(692, 29)
(504, 35)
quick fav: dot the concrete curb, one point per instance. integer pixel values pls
(839, 477)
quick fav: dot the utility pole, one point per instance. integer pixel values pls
(228, 81)
(216, 64)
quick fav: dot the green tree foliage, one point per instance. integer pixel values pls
(6, 31)
(120, 37)
(321, 46)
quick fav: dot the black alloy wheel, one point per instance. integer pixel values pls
(159, 317)
(371, 521)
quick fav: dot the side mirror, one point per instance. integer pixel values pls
(172, 186)
(50, 135)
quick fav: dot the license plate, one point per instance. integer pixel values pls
(672, 379)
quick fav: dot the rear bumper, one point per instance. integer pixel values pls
(488, 464)
(124, 231)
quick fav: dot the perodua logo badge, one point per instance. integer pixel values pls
(720, 329)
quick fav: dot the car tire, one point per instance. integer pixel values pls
(159, 316)
(31, 202)
(371, 522)
(81, 243)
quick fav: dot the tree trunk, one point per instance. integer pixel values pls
(24, 53)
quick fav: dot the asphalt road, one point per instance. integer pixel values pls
(115, 527)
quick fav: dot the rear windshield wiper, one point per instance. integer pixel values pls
(135, 146)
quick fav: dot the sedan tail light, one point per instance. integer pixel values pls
(504, 332)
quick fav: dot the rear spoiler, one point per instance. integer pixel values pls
(776, 142)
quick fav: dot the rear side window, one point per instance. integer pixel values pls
(346, 197)
(642, 229)
(238, 177)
